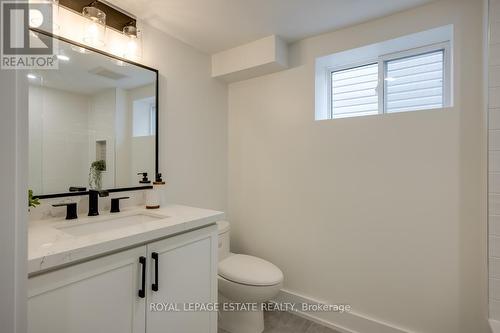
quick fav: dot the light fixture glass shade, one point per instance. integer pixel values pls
(133, 45)
(94, 27)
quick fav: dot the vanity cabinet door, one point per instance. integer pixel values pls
(187, 274)
(98, 296)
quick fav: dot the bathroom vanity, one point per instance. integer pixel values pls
(106, 273)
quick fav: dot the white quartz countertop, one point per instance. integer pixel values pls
(49, 246)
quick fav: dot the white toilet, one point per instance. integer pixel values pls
(244, 279)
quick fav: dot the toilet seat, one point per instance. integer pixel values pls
(249, 270)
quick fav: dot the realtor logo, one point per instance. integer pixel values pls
(20, 47)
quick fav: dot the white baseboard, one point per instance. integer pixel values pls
(347, 322)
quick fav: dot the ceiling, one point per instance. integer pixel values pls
(215, 25)
(90, 73)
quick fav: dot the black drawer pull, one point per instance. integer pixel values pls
(154, 286)
(142, 291)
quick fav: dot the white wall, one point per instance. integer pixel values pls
(13, 200)
(193, 122)
(494, 159)
(385, 213)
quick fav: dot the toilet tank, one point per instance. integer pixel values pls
(224, 241)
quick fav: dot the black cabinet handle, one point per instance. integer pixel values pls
(142, 291)
(154, 286)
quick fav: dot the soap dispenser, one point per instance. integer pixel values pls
(153, 196)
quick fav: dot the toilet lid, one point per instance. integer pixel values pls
(250, 270)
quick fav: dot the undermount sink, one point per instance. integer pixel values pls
(108, 224)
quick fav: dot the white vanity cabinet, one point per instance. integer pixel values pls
(103, 295)
(186, 269)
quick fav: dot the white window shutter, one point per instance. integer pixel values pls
(354, 91)
(415, 83)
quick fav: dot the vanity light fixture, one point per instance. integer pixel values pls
(95, 26)
(123, 38)
(133, 45)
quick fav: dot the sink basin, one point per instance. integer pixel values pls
(108, 224)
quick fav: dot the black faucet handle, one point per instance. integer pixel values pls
(77, 189)
(71, 210)
(144, 179)
(103, 193)
(115, 204)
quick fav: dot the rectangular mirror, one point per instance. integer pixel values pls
(92, 123)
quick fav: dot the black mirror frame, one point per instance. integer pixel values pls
(157, 131)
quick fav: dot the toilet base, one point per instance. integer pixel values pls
(240, 321)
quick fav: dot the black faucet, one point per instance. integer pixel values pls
(94, 201)
(115, 204)
(71, 210)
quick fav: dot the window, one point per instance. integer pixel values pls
(144, 117)
(408, 73)
(354, 91)
(406, 81)
(415, 82)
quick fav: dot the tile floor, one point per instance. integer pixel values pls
(285, 322)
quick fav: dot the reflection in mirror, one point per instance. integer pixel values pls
(92, 123)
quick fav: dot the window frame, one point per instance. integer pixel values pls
(382, 61)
